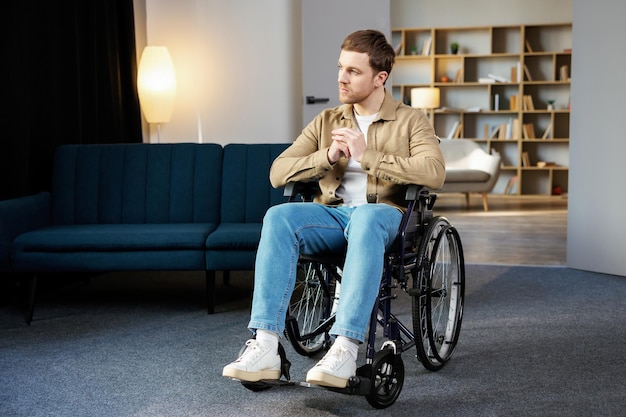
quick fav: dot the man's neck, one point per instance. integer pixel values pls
(372, 104)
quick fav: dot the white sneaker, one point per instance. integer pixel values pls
(257, 362)
(334, 369)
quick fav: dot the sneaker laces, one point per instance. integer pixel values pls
(253, 351)
(334, 357)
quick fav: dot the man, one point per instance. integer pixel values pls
(363, 153)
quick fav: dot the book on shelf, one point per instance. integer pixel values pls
(564, 73)
(528, 131)
(516, 129)
(426, 46)
(496, 102)
(525, 159)
(495, 132)
(458, 77)
(399, 48)
(486, 80)
(455, 130)
(498, 78)
(514, 102)
(486, 131)
(510, 185)
(527, 73)
(528, 47)
(528, 102)
(516, 73)
(547, 134)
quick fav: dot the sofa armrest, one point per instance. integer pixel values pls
(23, 214)
(19, 215)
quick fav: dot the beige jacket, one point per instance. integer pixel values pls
(402, 149)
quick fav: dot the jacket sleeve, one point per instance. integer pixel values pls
(305, 160)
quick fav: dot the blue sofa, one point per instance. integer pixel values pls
(142, 207)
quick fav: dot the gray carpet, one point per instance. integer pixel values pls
(536, 341)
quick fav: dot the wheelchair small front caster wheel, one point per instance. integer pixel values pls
(387, 379)
(257, 386)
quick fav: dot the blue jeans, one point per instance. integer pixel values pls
(293, 228)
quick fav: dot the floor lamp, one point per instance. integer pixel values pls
(425, 98)
(156, 85)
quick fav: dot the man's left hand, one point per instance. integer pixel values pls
(353, 139)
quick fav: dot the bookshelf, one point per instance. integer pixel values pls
(508, 88)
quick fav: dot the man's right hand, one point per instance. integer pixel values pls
(337, 150)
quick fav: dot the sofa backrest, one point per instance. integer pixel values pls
(136, 183)
(246, 189)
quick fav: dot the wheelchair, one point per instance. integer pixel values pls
(426, 263)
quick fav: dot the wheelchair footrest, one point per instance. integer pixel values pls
(357, 385)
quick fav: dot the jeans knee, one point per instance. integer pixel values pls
(277, 216)
(374, 218)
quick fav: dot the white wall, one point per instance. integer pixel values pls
(452, 13)
(238, 68)
(596, 238)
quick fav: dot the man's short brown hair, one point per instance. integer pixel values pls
(372, 42)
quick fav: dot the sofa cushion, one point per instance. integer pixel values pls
(115, 237)
(235, 236)
(466, 175)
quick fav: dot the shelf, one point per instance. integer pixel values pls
(531, 98)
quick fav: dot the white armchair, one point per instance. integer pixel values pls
(469, 169)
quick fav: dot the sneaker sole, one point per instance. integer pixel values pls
(251, 376)
(325, 380)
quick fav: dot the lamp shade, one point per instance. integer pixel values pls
(156, 84)
(425, 98)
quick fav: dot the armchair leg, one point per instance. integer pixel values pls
(210, 291)
(485, 202)
(30, 299)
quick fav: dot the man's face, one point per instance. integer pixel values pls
(356, 78)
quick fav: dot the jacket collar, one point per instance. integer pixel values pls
(387, 110)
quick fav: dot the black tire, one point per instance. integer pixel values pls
(387, 379)
(257, 386)
(439, 289)
(312, 303)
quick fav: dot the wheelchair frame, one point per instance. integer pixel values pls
(428, 254)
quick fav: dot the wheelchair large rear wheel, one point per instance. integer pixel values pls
(313, 302)
(438, 293)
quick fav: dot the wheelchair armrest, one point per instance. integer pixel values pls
(306, 190)
(419, 194)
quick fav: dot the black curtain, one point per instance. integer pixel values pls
(70, 78)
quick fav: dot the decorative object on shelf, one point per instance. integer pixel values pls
(156, 85)
(454, 48)
(425, 98)
(550, 104)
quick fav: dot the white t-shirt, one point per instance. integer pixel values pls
(353, 188)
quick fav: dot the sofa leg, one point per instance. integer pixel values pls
(467, 200)
(210, 291)
(485, 202)
(30, 299)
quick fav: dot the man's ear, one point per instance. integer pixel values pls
(381, 77)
